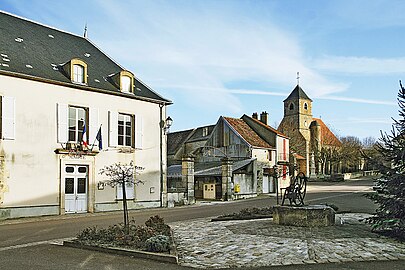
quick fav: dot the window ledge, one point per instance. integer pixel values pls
(62, 151)
(79, 83)
(126, 149)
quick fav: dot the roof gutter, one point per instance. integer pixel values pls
(83, 87)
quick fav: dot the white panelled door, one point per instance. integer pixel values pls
(76, 179)
(265, 184)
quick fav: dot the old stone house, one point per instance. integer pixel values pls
(67, 110)
(251, 146)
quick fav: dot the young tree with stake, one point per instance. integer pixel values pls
(120, 175)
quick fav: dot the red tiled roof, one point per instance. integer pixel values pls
(327, 136)
(269, 127)
(298, 156)
(247, 133)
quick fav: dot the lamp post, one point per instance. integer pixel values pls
(164, 129)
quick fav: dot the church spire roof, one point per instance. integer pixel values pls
(297, 93)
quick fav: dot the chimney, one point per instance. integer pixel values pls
(254, 115)
(264, 117)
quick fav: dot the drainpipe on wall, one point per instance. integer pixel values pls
(163, 183)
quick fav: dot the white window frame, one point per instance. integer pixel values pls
(78, 73)
(113, 129)
(78, 132)
(126, 83)
(125, 134)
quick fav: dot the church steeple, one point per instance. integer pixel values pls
(298, 93)
(296, 121)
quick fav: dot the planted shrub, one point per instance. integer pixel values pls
(131, 236)
(158, 224)
(158, 243)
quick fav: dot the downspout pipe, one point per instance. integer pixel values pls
(161, 153)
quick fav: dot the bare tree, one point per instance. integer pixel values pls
(120, 175)
(351, 153)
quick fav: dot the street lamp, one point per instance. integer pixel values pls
(165, 125)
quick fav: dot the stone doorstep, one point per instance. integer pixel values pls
(126, 252)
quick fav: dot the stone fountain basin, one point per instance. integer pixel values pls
(304, 216)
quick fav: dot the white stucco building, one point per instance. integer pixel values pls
(55, 87)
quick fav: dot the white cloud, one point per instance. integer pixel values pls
(369, 120)
(359, 100)
(204, 48)
(326, 97)
(361, 65)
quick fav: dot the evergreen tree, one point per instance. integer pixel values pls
(390, 215)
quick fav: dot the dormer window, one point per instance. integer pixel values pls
(126, 83)
(205, 131)
(78, 74)
(123, 80)
(76, 70)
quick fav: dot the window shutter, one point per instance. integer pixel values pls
(129, 189)
(113, 128)
(138, 132)
(93, 125)
(8, 118)
(63, 114)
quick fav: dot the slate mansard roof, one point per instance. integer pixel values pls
(34, 51)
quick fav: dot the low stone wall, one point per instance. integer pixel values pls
(305, 216)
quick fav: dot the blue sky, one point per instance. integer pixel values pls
(231, 58)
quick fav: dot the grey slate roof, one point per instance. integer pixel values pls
(208, 168)
(29, 48)
(298, 93)
(198, 133)
(176, 139)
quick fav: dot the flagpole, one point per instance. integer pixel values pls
(95, 139)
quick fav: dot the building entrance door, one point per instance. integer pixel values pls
(209, 191)
(76, 179)
(265, 184)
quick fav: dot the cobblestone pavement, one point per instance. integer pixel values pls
(252, 243)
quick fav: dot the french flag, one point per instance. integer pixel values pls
(84, 135)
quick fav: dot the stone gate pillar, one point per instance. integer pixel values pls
(227, 190)
(187, 177)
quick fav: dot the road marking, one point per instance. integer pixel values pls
(87, 260)
(49, 242)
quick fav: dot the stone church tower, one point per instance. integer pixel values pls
(296, 124)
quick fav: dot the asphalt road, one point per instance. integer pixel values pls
(25, 243)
